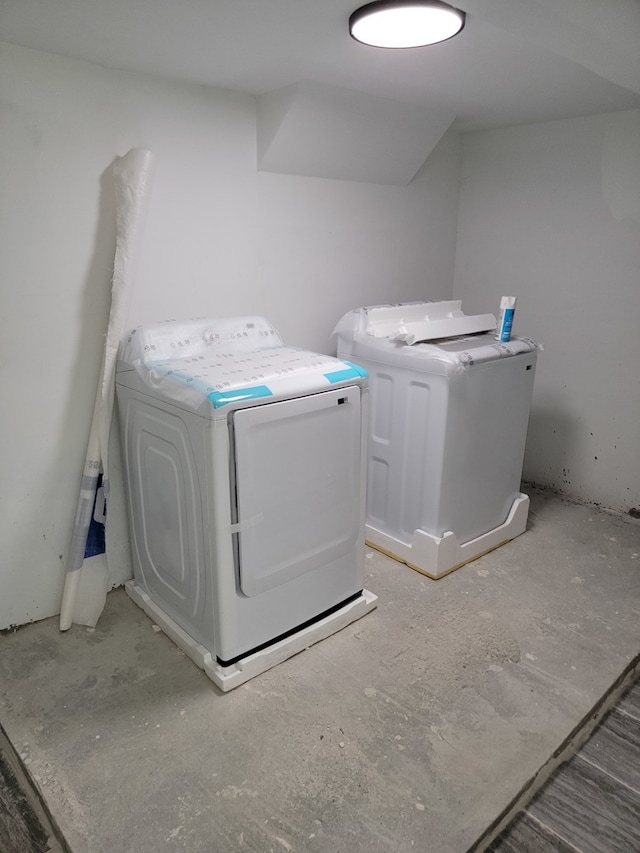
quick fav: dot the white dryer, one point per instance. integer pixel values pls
(245, 465)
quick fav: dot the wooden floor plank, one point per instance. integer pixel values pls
(586, 806)
(527, 835)
(614, 747)
(630, 702)
(20, 829)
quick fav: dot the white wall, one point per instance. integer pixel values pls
(221, 239)
(550, 213)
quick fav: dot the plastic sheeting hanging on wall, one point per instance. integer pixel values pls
(87, 575)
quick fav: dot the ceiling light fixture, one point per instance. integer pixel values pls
(405, 23)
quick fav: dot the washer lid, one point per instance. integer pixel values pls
(239, 361)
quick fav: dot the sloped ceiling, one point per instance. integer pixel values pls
(329, 132)
(516, 61)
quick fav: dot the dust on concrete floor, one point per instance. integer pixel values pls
(412, 729)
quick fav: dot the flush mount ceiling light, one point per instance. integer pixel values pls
(403, 23)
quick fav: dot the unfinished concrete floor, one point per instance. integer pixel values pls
(413, 729)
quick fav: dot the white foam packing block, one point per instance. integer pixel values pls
(444, 327)
(435, 556)
(414, 322)
(229, 677)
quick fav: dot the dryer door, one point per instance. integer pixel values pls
(298, 484)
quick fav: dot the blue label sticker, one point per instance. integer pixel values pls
(223, 398)
(353, 371)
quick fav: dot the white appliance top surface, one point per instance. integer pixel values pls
(433, 336)
(228, 361)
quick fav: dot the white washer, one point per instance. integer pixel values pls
(245, 463)
(448, 425)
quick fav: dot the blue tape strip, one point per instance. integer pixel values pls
(353, 371)
(222, 398)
